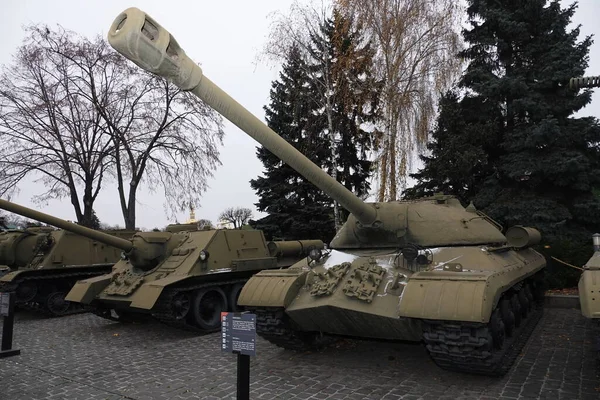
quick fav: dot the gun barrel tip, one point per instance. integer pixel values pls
(127, 18)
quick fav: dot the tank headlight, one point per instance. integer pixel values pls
(203, 255)
(315, 254)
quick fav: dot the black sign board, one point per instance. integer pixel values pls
(8, 319)
(4, 304)
(238, 333)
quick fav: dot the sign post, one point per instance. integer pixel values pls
(7, 308)
(238, 336)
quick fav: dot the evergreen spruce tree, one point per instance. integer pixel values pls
(522, 157)
(465, 140)
(340, 53)
(296, 208)
(301, 114)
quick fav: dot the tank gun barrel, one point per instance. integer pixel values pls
(101, 237)
(584, 82)
(142, 40)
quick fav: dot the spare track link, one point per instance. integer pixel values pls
(34, 306)
(163, 309)
(274, 325)
(468, 347)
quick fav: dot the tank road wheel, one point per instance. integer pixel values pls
(497, 329)
(26, 292)
(56, 303)
(529, 294)
(508, 317)
(524, 302)
(487, 349)
(181, 305)
(515, 306)
(234, 295)
(207, 307)
(538, 288)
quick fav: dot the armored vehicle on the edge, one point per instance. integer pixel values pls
(426, 270)
(42, 264)
(589, 282)
(589, 289)
(182, 276)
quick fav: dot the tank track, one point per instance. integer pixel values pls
(163, 310)
(36, 306)
(472, 347)
(275, 326)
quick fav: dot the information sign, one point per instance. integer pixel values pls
(238, 333)
(4, 304)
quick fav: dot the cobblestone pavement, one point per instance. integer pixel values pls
(86, 357)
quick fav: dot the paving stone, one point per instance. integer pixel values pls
(86, 357)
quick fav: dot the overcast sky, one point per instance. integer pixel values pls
(225, 37)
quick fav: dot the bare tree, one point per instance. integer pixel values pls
(417, 42)
(47, 127)
(74, 111)
(238, 216)
(163, 136)
(10, 221)
(205, 224)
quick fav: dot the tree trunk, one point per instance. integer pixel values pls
(383, 165)
(393, 173)
(129, 215)
(336, 212)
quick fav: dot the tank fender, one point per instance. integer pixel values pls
(274, 288)
(147, 295)
(589, 293)
(85, 291)
(459, 296)
(8, 277)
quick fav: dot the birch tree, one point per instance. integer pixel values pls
(417, 42)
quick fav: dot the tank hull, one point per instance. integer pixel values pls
(589, 294)
(385, 297)
(52, 271)
(589, 288)
(183, 286)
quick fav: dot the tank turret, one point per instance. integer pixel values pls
(18, 247)
(423, 270)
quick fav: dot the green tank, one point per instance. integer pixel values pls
(41, 265)
(183, 276)
(589, 282)
(427, 270)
